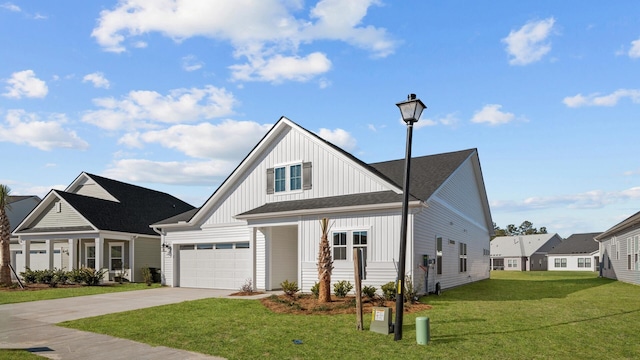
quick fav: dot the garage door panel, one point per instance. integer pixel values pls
(221, 268)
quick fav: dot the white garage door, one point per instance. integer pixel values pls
(215, 266)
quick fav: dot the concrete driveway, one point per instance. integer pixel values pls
(30, 325)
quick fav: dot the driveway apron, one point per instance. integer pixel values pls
(30, 325)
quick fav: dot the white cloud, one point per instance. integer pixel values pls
(338, 137)
(594, 199)
(171, 172)
(11, 7)
(602, 100)
(97, 79)
(229, 140)
(265, 32)
(279, 68)
(26, 128)
(191, 63)
(528, 44)
(634, 52)
(25, 84)
(492, 115)
(448, 120)
(143, 109)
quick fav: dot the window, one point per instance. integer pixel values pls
(90, 250)
(293, 177)
(204, 246)
(242, 245)
(187, 247)
(340, 246)
(116, 257)
(224, 246)
(580, 262)
(439, 255)
(587, 263)
(629, 252)
(556, 263)
(512, 263)
(563, 262)
(280, 179)
(463, 257)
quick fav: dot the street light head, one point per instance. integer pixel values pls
(411, 109)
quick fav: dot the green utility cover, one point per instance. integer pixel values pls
(381, 320)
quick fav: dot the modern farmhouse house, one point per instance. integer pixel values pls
(96, 223)
(578, 252)
(522, 252)
(620, 250)
(263, 223)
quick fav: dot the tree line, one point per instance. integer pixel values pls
(526, 228)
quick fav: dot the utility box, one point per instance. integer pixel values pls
(381, 320)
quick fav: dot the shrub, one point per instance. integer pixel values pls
(76, 276)
(342, 288)
(315, 290)
(86, 276)
(389, 291)
(29, 276)
(247, 288)
(369, 291)
(410, 291)
(147, 275)
(289, 288)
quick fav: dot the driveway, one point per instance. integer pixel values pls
(30, 325)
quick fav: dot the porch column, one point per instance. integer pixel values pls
(49, 246)
(26, 254)
(99, 252)
(131, 258)
(252, 246)
(73, 254)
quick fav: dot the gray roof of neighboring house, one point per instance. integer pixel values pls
(628, 223)
(577, 244)
(136, 209)
(18, 207)
(523, 245)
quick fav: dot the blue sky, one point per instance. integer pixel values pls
(171, 95)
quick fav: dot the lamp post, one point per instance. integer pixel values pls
(411, 111)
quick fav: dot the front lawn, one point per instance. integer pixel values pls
(35, 293)
(539, 315)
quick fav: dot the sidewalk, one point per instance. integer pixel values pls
(30, 325)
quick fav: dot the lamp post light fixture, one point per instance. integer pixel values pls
(411, 111)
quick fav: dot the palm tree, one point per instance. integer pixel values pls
(5, 237)
(325, 264)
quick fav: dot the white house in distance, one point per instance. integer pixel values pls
(578, 252)
(620, 250)
(522, 252)
(262, 223)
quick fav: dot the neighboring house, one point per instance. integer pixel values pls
(262, 225)
(578, 252)
(18, 207)
(96, 223)
(620, 250)
(522, 252)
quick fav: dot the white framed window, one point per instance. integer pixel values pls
(90, 255)
(116, 256)
(340, 245)
(289, 177)
(587, 263)
(580, 262)
(463, 257)
(439, 255)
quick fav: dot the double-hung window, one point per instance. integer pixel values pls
(116, 257)
(343, 243)
(463, 257)
(90, 250)
(439, 255)
(293, 177)
(280, 181)
(339, 246)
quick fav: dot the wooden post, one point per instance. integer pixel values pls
(356, 272)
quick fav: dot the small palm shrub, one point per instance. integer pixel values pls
(315, 290)
(342, 288)
(290, 288)
(369, 291)
(389, 291)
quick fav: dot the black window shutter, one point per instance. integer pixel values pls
(306, 176)
(270, 181)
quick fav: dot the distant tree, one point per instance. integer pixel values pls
(526, 228)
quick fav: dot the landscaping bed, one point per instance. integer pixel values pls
(307, 304)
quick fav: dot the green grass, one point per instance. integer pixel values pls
(533, 315)
(17, 295)
(17, 355)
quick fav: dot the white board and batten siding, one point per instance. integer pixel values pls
(332, 173)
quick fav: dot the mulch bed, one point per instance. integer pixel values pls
(307, 304)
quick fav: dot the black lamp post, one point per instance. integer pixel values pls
(411, 111)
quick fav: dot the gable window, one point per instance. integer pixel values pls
(439, 255)
(90, 250)
(463, 257)
(292, 177)
(340, 246)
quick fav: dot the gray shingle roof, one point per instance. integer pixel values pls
(138, 207)
(577, 244)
